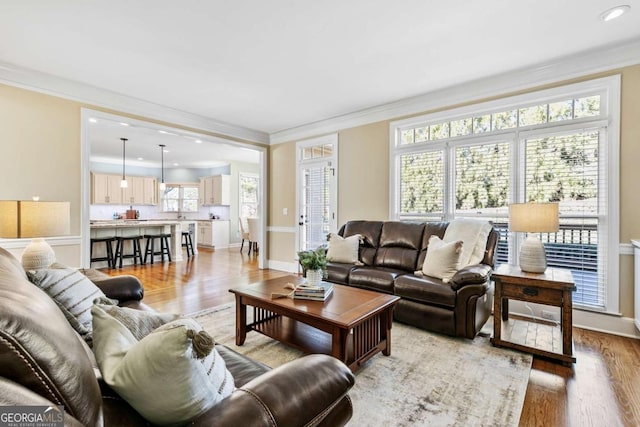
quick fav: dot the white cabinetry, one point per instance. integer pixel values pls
(105, 189)
(213, 233)
(215, 190)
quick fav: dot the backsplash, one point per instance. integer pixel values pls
(105, 212)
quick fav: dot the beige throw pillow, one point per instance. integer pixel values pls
(170, 377)
(344, 250)
(443, 259)
(474, 233)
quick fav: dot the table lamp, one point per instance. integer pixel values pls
(533, 218)
(24, 219)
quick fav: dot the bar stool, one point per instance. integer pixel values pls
(136, 253)
(187, 242)
(150, 246)
(109, 250)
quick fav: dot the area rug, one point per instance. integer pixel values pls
(428, 380)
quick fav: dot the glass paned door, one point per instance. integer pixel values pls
(317, 215)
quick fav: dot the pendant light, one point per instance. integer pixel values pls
(163, 186)
(123, 183)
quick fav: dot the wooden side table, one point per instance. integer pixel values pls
(553, 287)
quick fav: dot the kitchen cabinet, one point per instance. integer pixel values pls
(215, 190)
(105, 189)
(214, 233)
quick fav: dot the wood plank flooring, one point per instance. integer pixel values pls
(601, 389)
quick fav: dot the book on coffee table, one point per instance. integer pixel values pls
(315, 293)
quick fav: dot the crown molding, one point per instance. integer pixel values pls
(37, 81)
(568, 67)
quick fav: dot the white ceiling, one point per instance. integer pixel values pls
(182, 149)
(278, 64)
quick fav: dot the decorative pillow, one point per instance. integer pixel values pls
(442, 259)
(73, 292)
(474, 234)
(171, 376)
(140, 323)
(344, 249)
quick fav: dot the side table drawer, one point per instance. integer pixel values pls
(532, 294)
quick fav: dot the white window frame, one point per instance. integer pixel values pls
(181, 197)
(250, 175)
(609, 90)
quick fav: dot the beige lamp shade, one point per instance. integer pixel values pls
(533, 217)
(24, 219)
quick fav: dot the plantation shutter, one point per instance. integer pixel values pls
(566, 168)
(422, 184)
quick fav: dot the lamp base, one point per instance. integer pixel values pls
(532, 256)
(38, 254)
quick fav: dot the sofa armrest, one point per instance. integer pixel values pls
(122, 288)
(471, 275)
(301, 392)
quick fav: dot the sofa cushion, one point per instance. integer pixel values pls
(399, 245)
(443, 259)
(339, 272)
(73, 292)
(169, 376)
(40, 351)
(374, 278)
(344, 249)
(425, 289)
(370, 232)
(474, 234)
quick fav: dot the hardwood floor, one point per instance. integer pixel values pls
(601, 389)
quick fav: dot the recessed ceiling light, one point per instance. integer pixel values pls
(615, 12)
(140, 158)
(163, 131)
(198, 141)
(124, 124)
(92, 120)
(175, 164)
(166, 151)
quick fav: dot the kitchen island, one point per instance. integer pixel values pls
(127, 227)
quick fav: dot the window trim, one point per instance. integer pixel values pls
(181, 186)
(250, 175)
(609, 90)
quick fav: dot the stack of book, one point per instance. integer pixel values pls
(314, 293)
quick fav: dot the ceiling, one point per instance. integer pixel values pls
(182, 149)
(279, 64)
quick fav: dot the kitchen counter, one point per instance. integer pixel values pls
(137, 227)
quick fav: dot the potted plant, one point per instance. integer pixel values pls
(314, 264)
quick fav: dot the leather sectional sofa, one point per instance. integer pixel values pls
(392, 251)
(43, 361)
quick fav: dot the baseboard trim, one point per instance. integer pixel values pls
(289, 267)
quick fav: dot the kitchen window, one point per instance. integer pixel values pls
(180, 198)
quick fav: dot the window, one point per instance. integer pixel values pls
(558, 145)
(180, 198)
(248, 195)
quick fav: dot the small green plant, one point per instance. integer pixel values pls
(313, 259)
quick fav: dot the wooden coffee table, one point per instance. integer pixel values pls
(352, 324)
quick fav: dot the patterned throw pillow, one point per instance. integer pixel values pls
(73, 292)
(140, 323)
(170, 377)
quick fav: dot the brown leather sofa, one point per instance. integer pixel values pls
(392, 251)
(43, 361)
